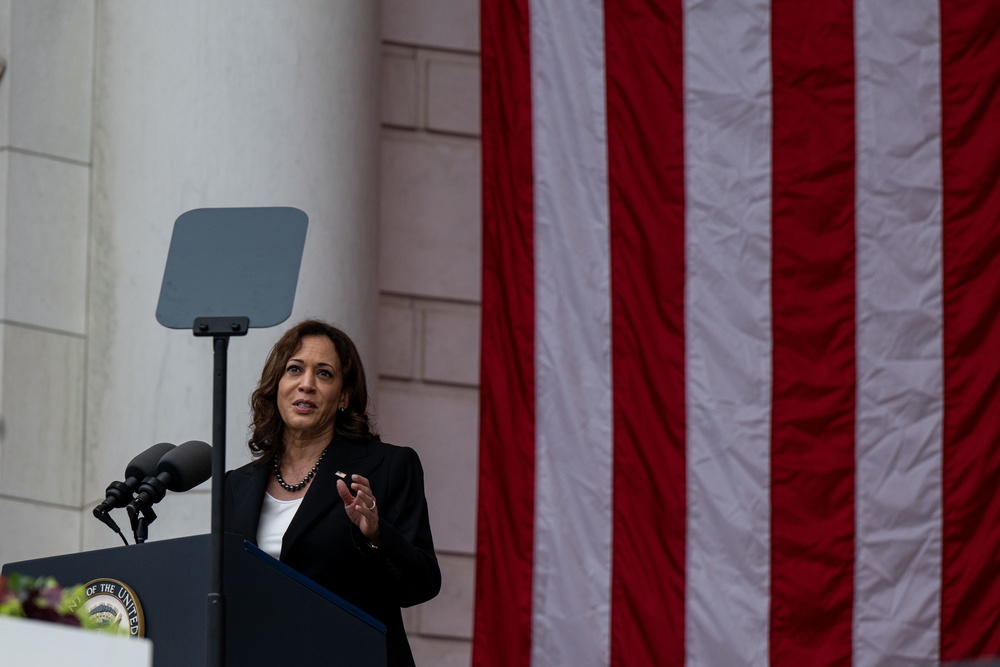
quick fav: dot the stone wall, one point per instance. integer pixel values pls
(429, 279)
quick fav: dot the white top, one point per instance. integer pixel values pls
(275, 516)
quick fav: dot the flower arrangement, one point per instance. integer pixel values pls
(43, 599)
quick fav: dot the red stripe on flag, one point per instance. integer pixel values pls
(507, 409)
(970, 78)
(646, 173)
(813, 296)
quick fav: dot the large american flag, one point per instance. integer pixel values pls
(741, 333)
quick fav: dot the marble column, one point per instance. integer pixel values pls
(45, 140)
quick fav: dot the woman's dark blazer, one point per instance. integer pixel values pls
(323, 544)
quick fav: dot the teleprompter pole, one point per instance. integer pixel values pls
(221, 329)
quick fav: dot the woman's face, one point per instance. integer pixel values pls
(311, 389)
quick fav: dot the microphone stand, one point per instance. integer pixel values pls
(220, 329)
(140, 521)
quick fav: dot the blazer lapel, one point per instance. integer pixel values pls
(344, 456)
(248, 496)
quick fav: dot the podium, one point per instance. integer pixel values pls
(273, 613)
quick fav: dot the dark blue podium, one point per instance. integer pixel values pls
(273, 613)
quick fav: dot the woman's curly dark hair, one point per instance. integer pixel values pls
(267, 428)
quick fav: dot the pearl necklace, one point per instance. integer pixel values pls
(305, 480)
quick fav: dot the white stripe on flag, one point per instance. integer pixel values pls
(572, 570)
(900, 385)
(728, 329)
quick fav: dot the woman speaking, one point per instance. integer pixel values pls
(324, 494)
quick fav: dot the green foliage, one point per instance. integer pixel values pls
(42, 598)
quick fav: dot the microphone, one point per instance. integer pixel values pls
(180, 469)
(119, 494)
